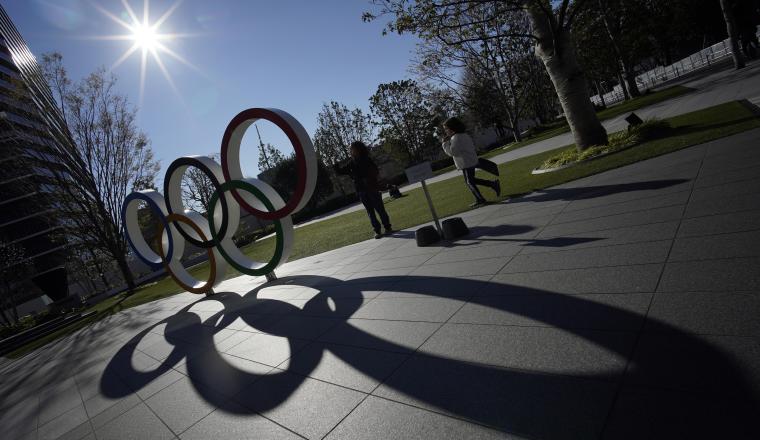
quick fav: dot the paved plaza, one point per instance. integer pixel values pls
(623, 305)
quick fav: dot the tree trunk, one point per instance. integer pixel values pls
(625, 64)
(98, 268)
(623, 86)
(733, 31)
(556, 49)
(126, 272)
(601, 93)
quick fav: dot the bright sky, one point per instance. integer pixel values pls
(288, 54)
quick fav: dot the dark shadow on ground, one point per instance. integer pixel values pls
(646, 400)
(589, 192)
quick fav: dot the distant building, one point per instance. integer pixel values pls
(28, 216)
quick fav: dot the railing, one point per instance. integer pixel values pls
(660, 74)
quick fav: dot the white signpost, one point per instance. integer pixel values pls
(420, 173)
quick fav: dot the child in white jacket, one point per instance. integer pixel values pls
(458, 144)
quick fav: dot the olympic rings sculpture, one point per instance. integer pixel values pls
(232, 191)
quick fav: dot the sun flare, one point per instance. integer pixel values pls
(146, 38)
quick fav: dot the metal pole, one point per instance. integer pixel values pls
(432, 209)
(271, 276)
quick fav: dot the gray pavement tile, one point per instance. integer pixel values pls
(327, 307)
(399, 262)
(606, 210)
(279, 292)
(236, 425)
(657, 215)
(379, 419)
(352, 367)
(711, 275)
(609, 237)
(146, 384)
(439, 287)
(722, 205)
(350, 290)
(721, 313)
(666, 415)
(619, 255)
(738, 244)
(31, 435)
(100, 402)
(620, 279)
(224, 373)
(599, 311)
(535, 405)
(139, 423)
(306, 406)
(65, 422)
(368, 276)
(469, 253)
(720, 365)
(601, 354)
(410, 309)
(488, 266)
(720, 224)
(120, 407)
(56, 401)
(80, 432)
(301, 327)
(500, 232)
(720, 178)
(20, 417)
(267, 349)
(408, 250)
(351, 268)
(183, 403)
(708, 193)
(397, 336)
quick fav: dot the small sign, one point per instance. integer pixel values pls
(419, 172)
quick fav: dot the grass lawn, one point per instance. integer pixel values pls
(608, 113)
(452, 196)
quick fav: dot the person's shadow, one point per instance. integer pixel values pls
(648, 393)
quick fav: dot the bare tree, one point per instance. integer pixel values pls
(337, 127)
(95, 155)
(197, 188)
(14, 268)
(269, 155)
(476, 60)
(550, 21)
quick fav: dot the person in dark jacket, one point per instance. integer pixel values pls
(364, 173)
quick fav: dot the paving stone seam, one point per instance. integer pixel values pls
(586, 220)
(622, 202)
(401, 364)
(642, 326)
(581, 268)
(87, 413)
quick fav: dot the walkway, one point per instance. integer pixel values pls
(710, 90)
(623, 305)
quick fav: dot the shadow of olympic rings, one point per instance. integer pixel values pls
(485, 394)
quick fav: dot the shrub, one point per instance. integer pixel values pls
(649, 130)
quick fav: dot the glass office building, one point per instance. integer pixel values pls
(28, 218)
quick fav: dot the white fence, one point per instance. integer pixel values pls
(660, 74)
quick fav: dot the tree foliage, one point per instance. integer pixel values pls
(455, 22)
(404, 118)
(337, 127)
(97, 155)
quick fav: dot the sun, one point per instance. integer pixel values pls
(147, 39)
